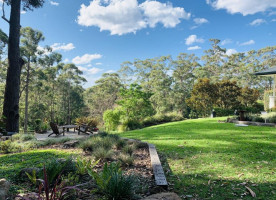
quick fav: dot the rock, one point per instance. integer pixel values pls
(71, 144)
(163, 196)
(23, 175)
(4, 189)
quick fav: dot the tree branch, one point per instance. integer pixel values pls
(3, 11)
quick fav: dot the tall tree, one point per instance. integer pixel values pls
(12, 90)
(103, 95)
(29, 43)
(183, 79)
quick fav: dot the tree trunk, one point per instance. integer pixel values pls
(27, 97)
(12, 90)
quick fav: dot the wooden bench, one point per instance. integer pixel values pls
(84, 128)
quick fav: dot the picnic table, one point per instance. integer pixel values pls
(69, 126)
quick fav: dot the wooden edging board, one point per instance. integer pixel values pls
(159, 175)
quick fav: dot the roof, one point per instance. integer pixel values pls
(269, 71)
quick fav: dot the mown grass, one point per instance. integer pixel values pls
(12, 164)
(209, 160)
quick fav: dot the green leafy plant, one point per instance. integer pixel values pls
(47, 191)
(112, 183)
(83, 165)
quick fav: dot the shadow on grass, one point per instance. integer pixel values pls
(209, 186)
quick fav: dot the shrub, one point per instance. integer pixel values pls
(56, 167)
(87, 120)
(130, 124)
(112, 119)
(23, 137)
(112, 183)
(162, 118)
(103, 154)
(95, 142)
(272, 119)
(10, 147)
(120, 144)
(126, 159)
(193, 114)
(221, 112)
(83, 165)
(129, 149)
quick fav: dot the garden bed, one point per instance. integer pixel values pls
(132, 157)
(252, 123)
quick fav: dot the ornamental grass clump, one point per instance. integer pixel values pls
(112, 183)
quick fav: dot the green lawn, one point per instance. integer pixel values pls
(211, 160)
(12, 164)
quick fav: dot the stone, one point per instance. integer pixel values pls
(4, 188)
(71, 144)
(163, 196)
(23, 175)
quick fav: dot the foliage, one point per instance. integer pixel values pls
(112, 119)
(220, 112)
(248, 96)
(48, 191)
(102, 153)
(112, 183)
(91, 121)
(120, 144)
(162, 118)
(203, 96)
(129, 149)
(126, 159)
(58, 167)
(103, 94)
(135, 103)
(12, 164)
(227, 94)
(83, 165)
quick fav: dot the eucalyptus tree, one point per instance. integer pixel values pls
(103, 95)
(213, 60)
(12, 90)
(159, 84)
(183, 79)
(69, 82)
(29, 43)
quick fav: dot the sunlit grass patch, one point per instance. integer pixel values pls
(211, 160)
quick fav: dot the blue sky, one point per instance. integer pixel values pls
(99, 35)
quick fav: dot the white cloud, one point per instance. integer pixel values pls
(200, 21)
(98, 63)
(23, 12)
(194, 48)
(226, 41)
(273, 20)
(245, 7)
(193, 39)
(229, 52)
(64, 47)
(110, 71)
(93, 70)
(257, 22)
(247, 43)
(86, 58)
(54, 3)
(128, 16)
